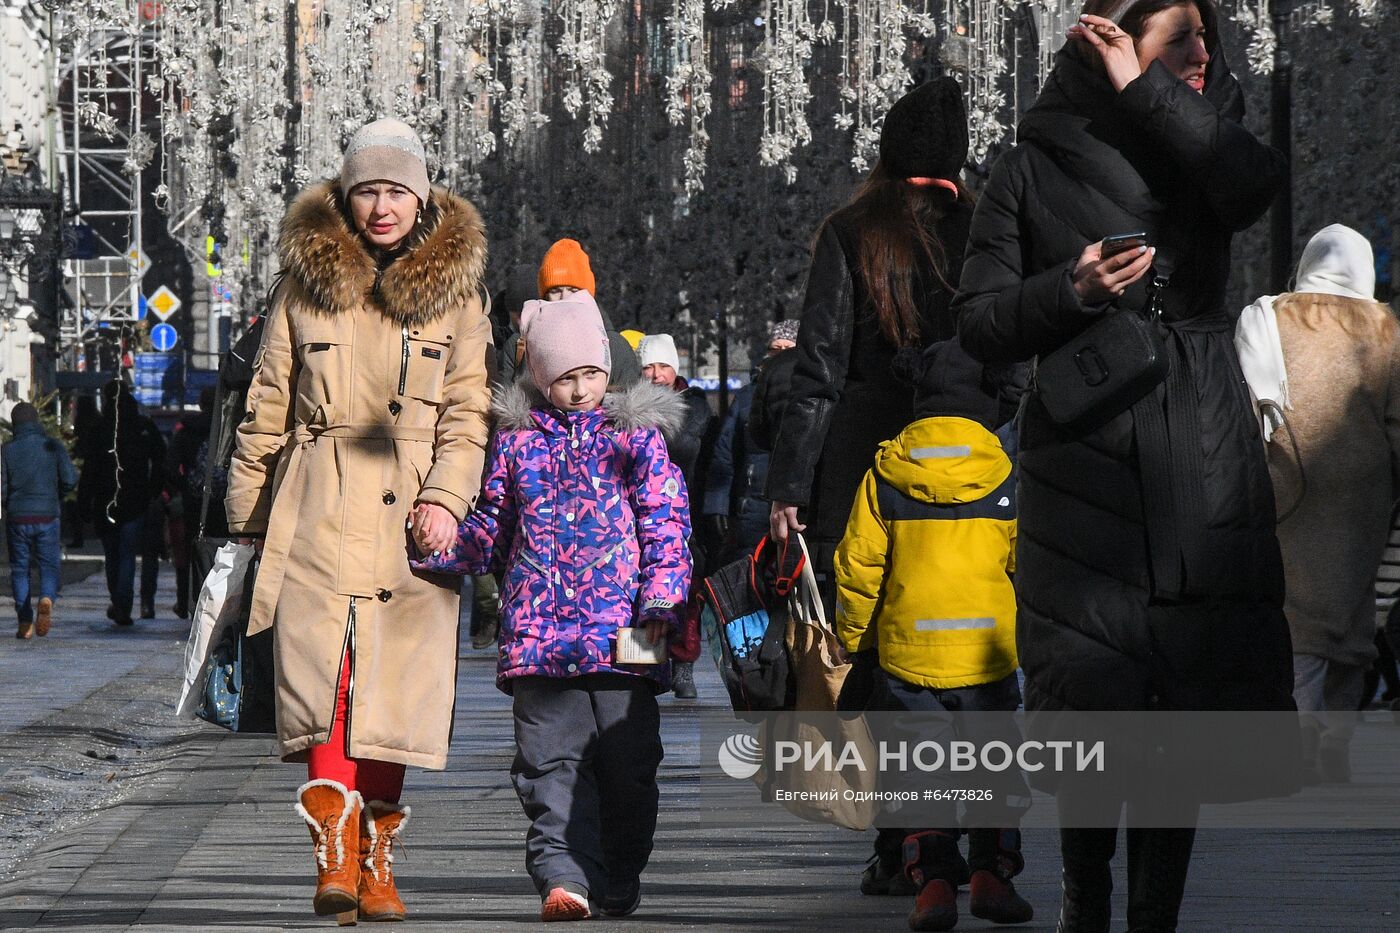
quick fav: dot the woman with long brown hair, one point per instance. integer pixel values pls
(883, 273)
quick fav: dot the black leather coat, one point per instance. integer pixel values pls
(844, 399)
(1143, 581)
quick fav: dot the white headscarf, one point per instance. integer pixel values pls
(1337, 261)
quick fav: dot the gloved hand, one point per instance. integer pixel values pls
(717, 527)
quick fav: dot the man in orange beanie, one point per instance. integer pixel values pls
(566, 270)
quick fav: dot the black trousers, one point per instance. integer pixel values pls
(587, 750)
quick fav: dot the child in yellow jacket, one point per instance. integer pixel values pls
(923, 579)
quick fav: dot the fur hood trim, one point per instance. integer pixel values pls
(642, 406)
(324, 256)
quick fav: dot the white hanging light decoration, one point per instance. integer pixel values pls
(478, 79)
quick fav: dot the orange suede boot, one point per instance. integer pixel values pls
(332, 813)
(379, 899)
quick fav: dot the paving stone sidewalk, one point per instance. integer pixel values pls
(114, 816)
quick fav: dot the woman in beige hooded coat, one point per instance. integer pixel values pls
(1323, 364)
(367, 416)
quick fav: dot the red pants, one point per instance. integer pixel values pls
(375, 780)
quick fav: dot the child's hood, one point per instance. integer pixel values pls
(521, 406)
(943, 460)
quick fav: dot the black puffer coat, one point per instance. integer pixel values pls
(1153, 580)
(691, 444)
(844, 398)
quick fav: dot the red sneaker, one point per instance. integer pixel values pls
(562, 904)
(935, 907)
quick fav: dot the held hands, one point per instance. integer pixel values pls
(782, 518)
(1099, 281)
(433, 527)
(257, 544)
(1114, 47)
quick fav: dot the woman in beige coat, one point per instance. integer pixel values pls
(1323, 363)
(367, 416)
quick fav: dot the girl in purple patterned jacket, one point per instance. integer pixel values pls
(589, 518)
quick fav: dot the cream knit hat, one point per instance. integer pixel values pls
(386, 150)
(659, 348)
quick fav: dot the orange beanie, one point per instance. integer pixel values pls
(566, 264)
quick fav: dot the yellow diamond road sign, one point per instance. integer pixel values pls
(163, 303)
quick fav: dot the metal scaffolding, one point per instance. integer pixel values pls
(100, 106)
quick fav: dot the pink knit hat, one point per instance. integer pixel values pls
(561, 336)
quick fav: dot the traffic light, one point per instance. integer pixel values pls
(213, 257)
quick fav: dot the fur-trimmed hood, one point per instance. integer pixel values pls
(642, 406)
(323, 255)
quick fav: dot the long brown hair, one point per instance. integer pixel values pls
(897, 222)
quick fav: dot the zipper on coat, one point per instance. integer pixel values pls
(1154, 296)
(350, 692)
(347, 647)
(403, 365)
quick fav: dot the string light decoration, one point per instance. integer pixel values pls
(257, 97)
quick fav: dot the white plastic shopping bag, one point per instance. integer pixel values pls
(219, 604)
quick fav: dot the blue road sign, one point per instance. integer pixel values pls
(164, 337)
(141, 306)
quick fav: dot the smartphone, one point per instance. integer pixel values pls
(1113, 245)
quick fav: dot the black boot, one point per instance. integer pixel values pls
(994, 855)
(1158, 860)
(683, 680)
(884, 873)
(931, 861)
(1086, 884)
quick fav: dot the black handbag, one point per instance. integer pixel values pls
(240, 692)
(1104, 370)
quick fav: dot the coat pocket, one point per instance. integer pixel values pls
(425, 350)
(323, 355)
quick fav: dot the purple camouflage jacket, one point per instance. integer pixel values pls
(590, 518)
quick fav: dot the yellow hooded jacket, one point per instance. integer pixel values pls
(923, 572)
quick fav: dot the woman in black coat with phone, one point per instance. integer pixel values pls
(882, 278)
(1148, 573)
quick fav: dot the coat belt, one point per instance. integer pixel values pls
(282, 523)
(364, 430)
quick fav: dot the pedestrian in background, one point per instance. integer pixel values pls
(367, 411)
(690, 445)
(564, 271)
(772, 386)
(882, 276)
(522, 285)
(586, 514)
(188, 470)
(735, 507)
(1147, 571)
(123, 473)
(84, 426)
(1323, 363)
(37, 474)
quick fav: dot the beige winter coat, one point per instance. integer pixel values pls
(1343, 358)
(371, 393)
